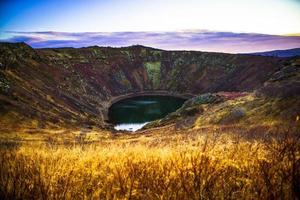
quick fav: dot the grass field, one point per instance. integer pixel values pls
(214, 163)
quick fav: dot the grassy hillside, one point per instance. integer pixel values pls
(161, 164)
(73, 87)
(237, 138)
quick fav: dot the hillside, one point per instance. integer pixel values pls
(280, 53)
(74, 87)
(236, 137)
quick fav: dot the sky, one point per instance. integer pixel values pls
(211, 25)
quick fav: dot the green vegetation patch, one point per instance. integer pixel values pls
(154, 74)
(121, 78)
(204, 99)
(4, 84)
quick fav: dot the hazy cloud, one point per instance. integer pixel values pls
(181, 40)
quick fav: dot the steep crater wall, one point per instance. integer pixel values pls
(69, 86)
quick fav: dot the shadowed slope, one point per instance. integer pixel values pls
(70, 86)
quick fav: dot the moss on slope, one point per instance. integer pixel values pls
(154, 73)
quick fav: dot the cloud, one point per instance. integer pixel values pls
(202, 40)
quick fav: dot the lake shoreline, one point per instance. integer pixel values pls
(118, 98)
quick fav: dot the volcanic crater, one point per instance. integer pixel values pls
(70, 87)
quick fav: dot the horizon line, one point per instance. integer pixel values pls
(185, 40)
(144, 46)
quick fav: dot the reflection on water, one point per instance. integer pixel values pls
(145, 102)
(130, 127)
(133, 113)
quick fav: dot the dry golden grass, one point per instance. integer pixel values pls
(190, 165)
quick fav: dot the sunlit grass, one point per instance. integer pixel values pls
(193, 165)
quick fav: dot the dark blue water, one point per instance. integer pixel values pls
(133, 113)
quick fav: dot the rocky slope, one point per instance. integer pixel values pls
(276, 103)
(74, 87)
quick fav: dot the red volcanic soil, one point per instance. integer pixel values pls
(74, 87)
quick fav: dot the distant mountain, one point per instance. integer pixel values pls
(280, 53)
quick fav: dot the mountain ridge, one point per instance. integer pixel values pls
(74, 86)
(280, 53)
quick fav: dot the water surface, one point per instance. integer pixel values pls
(133, 113)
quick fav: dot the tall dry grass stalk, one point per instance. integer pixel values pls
(199, 167)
